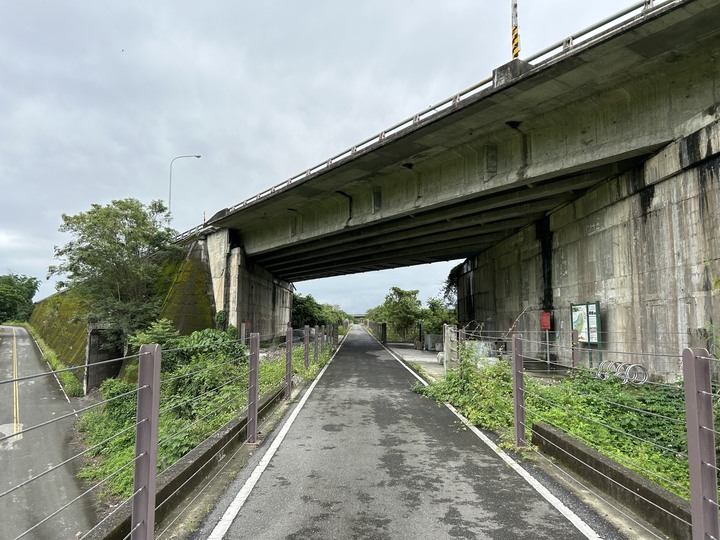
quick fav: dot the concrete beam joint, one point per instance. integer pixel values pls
(509, 72)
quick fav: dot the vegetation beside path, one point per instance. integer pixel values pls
(642, 427)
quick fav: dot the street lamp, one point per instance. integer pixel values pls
(170, 185)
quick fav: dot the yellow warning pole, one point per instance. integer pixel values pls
(515, 31)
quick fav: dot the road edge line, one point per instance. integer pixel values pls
(228, 517)
(571, 516)
(398, 358)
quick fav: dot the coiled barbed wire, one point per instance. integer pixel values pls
(626, 372)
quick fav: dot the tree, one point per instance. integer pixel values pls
(307, 311)
(114, 261)
(436, 315)
(16, 294)
(401, 310)
(450, 287)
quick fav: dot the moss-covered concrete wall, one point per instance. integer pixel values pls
(60, 322)
(645, 244)
(187, 289)
(185, 286)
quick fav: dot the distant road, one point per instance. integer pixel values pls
(25, 404)
(368, 458)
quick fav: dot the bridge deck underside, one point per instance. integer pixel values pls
(455, 231)
(607, 107)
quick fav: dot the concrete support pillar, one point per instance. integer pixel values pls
(256, 296)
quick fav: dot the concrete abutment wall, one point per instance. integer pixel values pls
(245, 291)
(645, 244)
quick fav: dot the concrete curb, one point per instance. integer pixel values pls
(665, 510)
(185, 474)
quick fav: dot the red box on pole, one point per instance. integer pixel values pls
(545, 320)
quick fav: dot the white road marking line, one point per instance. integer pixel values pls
(576, 520)
(571, 516)
(222, 527)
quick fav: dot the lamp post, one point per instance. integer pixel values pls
(170, 184)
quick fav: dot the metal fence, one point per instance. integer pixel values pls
(647, 419)
(164, 429)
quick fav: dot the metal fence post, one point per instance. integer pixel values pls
(307, 346)
(518, 390)
(315, 345)
(383, 333)
(146, 443)
(575, 348)
(701, 444)
(322, 334)
(288, 361)
(252, 414)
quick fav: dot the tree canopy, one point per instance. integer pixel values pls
(307, 311)
(114, 261)
(437, 314)
(401, 310)
(16, 294)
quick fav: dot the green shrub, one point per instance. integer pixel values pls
(202, 389)
(68, 379)
(604, 414)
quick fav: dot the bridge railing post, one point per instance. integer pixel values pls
(288, 360)
(307, 346)
(146, 443)
(518, 372)
(252, 413)
(701, 443)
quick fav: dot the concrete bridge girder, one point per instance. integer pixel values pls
(526, 148)
(597, 112)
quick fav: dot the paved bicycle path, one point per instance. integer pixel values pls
(364, 456)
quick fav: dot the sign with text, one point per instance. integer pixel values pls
(586, 320)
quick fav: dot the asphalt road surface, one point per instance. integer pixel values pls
(24, 404)
(363, 456)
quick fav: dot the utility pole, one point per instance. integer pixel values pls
(515, 31)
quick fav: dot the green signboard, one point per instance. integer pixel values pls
(586, 320)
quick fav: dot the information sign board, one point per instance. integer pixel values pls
(586, 320)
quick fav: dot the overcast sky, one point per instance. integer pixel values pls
(96, 98)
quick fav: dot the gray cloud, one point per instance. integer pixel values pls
(97, 98)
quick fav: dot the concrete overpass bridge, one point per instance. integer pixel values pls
(586, 172)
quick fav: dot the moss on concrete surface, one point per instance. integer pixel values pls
(185, 286)
(60, 321)
(187, 301)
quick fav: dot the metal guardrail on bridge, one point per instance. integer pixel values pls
(572, 43)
